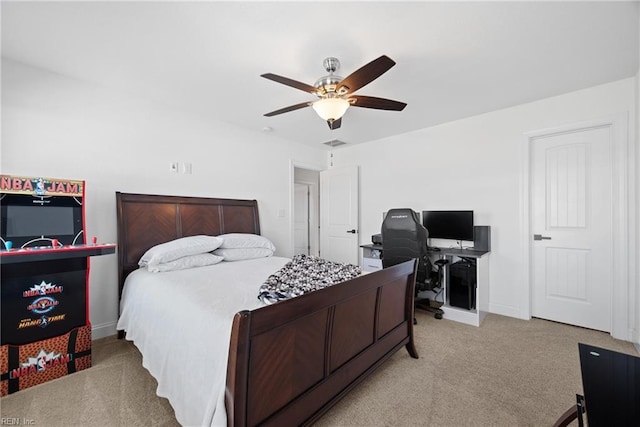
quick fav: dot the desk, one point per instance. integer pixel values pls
(372, 260)
(371, 257)
(474, 316)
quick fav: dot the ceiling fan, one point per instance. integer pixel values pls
(337, 94)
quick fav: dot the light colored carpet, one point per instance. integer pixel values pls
(507, 372)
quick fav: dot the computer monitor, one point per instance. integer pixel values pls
(453, 225)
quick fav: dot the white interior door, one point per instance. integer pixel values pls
(301, 219)
(339, 214)
(572, 218)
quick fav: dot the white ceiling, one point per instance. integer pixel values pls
(454, 59)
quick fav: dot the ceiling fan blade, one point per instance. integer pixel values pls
(377, 103)
(365, 75)
(289, 82)
(289, 108)
(334, 124)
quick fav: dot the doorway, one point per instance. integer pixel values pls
(332, 213)
(306, 211)
(301, 219)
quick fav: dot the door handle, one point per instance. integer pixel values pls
(352, 231)
(540, 237)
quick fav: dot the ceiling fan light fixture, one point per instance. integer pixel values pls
(331, 108)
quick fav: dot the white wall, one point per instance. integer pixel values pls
(63, 128)
(475, 163)
(58, 127)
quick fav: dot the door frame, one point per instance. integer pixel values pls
(623, 235)
(293, 164)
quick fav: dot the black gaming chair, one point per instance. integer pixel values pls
(405, 238)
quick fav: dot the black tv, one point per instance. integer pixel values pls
(453, 225)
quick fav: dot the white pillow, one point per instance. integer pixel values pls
(190, 261)
(245, 240)
(185, 246)
(240, 254)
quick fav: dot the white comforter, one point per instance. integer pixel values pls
(181, 323)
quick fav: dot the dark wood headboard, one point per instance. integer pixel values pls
(145, 220)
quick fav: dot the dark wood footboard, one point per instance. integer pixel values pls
(291, 361)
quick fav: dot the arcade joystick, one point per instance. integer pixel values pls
(94, 240)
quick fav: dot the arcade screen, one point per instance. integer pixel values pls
(39, 220)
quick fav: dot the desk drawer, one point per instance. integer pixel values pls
(371, 264)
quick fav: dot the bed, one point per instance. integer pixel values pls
(230, 359)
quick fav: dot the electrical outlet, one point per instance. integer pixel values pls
(173, 167)
(186, 168)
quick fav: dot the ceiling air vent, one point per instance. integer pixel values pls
(334, 143)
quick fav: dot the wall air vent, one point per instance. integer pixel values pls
(334, 143)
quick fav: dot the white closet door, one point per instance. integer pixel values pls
(572, 218)
(339, 214)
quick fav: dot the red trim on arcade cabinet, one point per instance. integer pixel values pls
(84, 219)
(35, 251)
(84, 241)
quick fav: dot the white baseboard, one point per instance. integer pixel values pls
(505, 310)
(103, 330)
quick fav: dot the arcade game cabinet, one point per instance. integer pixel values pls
(44, 286)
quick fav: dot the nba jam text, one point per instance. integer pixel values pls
(40, 363)
(39, 186)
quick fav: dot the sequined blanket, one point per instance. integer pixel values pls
(304, 274)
